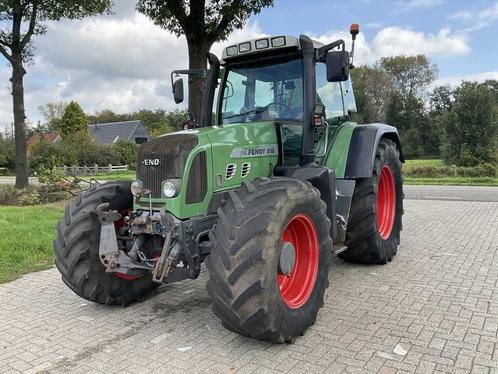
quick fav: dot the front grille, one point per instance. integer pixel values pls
(163, 158)
(245, 170)
(197, 180)
(230, 171)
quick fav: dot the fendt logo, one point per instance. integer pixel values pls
(151, 162)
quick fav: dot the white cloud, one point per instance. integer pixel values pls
(363, 50)
(480, 19)
(457, 79)
(120, 62)
(392, 41)
(406, 6)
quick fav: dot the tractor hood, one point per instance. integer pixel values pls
(206, 161)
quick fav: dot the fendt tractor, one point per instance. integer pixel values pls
(263, 193)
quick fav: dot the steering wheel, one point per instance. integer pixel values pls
(288, 110)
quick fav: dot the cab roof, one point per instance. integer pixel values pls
(264, 45)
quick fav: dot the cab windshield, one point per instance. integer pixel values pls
(273, 91)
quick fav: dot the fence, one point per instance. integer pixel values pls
(92, 170)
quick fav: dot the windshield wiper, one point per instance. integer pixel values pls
(252, 111)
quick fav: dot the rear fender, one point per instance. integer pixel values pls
(363, 146)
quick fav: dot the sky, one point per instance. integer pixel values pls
(122, 61)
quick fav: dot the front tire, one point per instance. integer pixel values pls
(250, 293)
(374, 225)
(77, 248)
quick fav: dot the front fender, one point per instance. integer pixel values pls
(363, 146)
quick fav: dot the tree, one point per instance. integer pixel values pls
(410, 74)
(410, 77)
(52, 114)
(471, 127)
(106, 116)
(203, 23)
(372, 89)
(440, 100)
(73, 120)
(26, 18)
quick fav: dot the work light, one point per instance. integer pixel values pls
(231, 51)
(262, 43)
(279, 41)
(244, 47)
(136, 188)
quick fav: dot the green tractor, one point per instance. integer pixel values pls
(263, 194)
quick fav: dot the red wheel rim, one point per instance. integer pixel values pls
(128, 277)
(386, 202)
(296, 287)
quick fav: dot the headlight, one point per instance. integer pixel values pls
(136, 188)
(171, 187)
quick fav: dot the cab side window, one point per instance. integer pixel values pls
(329, 94)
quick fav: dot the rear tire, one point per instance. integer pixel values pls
(77, 248)
(375, 219)
(248, 294)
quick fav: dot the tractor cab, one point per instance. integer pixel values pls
(299, 84)
(265, 79)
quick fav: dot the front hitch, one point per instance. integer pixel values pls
(114, 259)
(108, 247)
(166, 265)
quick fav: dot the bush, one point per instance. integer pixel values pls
(5, 172)
(8, 195)
(431, 171)
(29, 196)
(127, 152)
(52, 180)
(44, 154)
(484, 170)
(489, 169)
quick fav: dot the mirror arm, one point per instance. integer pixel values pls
(203, 73)
(322, 51)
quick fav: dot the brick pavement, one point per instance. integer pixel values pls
(433, 309)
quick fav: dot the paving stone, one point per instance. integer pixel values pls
(437, 299)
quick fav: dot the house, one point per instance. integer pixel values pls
(104, 133)
(52, 137)
(110, 133)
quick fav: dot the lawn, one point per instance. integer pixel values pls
(26, 243)
(453, 181)
(117, 175)
(427, 162)
(432, 166)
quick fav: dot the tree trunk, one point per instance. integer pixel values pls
(197, 56)
(21, 162)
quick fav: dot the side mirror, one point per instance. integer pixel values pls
(337, 66)
(178, 91)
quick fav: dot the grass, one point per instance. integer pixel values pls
(437, 164)
(453, 181)
(26, 243)
(117, 175)
(428, 162)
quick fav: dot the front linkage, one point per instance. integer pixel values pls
(128, 249)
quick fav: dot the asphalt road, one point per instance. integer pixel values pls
(446, 193)
(12, 181)
(451, 193)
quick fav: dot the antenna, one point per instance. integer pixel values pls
(354, 30)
